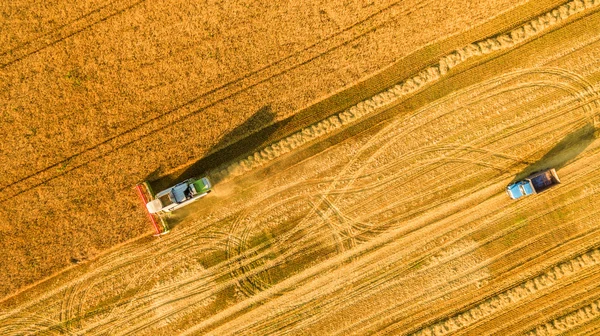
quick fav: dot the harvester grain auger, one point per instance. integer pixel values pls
(171, 199)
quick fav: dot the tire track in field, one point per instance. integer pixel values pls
(73, 311)
(66, 313)
(145, 305)
(248, 219)
(386, 280)
(66, 31)
(276, 204)
(193, 293)
(341, 226)
(80, 315)
(194, 106)
(124, 308)
(123, 260)
(237, 243)
(543, 253)
(363, 229)
(346, 296)
(188, 294)
(259, 270)
(502, 216)
(285, 201)
(32, 325)
(248, 285)
(277, 251)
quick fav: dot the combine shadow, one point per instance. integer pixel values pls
(566, 150)
(236, 146)
(153, 175)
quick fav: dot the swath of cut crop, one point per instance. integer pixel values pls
(501, 301)
(569, 321)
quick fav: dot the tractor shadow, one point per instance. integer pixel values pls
(230, 147)
(566, 150)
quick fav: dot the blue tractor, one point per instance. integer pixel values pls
(533, 184)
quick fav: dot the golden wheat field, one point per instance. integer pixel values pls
(359, 151)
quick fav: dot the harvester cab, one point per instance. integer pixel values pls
(170, 199)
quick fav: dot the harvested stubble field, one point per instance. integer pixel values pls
(372, 201)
